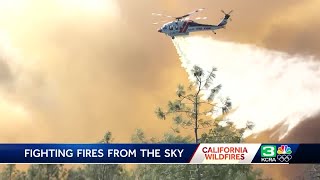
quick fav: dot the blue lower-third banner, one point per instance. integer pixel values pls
(159, 153)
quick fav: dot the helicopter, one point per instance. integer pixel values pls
(182, 26)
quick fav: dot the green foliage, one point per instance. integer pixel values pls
(103, 171)
(190, 110)
(9, 172)
(21, 175)
(76, 174)
(107, 138)
(227, 133)
(46, 171)
(139, 137)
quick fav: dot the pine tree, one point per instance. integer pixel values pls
(186, 109)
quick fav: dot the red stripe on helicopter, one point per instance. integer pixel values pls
(183, 26)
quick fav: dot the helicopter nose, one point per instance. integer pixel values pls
(160, 30)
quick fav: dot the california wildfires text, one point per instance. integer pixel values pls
(224, 153)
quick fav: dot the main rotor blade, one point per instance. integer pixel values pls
(201, 18)
(198, 10)
(155, 23)
(163, 15)
(189, 14)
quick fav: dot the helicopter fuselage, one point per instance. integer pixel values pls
(184, 27)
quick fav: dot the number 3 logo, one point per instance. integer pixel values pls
(268, 151)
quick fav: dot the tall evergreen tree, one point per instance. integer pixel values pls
(194, 109)
(190, 109)
(186, 109)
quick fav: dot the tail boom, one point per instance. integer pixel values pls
(224, 20)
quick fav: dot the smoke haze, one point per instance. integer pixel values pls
(61, 69)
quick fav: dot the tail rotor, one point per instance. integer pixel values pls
(227, 15)
(224, 21)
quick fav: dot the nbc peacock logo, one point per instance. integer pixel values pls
(284, 149)
(284, 153)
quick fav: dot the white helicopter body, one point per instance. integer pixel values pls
(182, 26)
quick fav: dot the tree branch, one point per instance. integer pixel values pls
(185, 97)
(209, 77)
(204, 102)
(179, 111)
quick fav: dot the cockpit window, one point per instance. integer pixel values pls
(171, 27)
